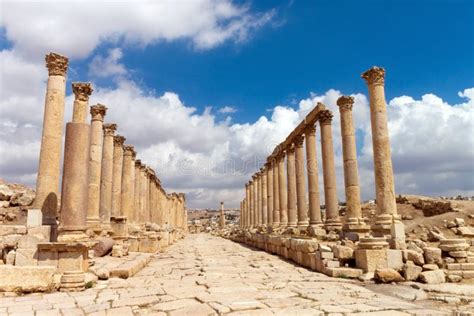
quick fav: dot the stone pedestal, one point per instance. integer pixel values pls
(73, 281)
(119, 227)
(371, 254)
(47, 183)
(64, 256)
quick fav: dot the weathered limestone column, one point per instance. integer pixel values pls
(313, 185)
(222, 217)
(247, 205)
(291, 174)
(269, 175)
(259, 199)
(106, 176)
(302, 206)
(117, 175)
(128, 185)
(136, 193)
(333, 222)
(151, 176)
(276, 194)
(255, 200)
(384, 185)
(354, 222)
(282, 190)
(263, 177)
(95, 163)
(143, 194)
(75, 186)
(47, 182)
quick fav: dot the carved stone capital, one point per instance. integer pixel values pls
(291, 149)
(254, 177)
(310, 130)
(128, 150)
(119, 140)
(98, 112)
(56, 64)
(298, 141)
(109, 129)
(325, 117)
(374, 76)
(138, 163)
(345, 103)
(82, 90)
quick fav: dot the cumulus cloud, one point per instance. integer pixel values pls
(227, 110)
(107, 66)
(57, 26)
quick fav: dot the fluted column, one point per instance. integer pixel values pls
(117, 175)
(276, 194)
(302, 206)
(354, 221)
(333, 221)
(47, 182)
(255, 200)
(127, 187)
(283, 191)
(259, 199)
(313, 185)
(95, 164)
(136, 193)
(291, 175)
(384, 185)
(269, 175)
(75, 185)
(106, 175)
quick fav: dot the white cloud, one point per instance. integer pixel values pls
(76, 28)
(227, 109)
(107, 66)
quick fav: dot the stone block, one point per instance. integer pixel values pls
(26, 257)
(306, 262)
(148, 245)
(48, 258)
(26, 278)
(458, 254)
(10, 241)
(432, 255)
(42, 232)
(133, 244)
(332, 264)
(12, 230)
(433, 277)
(324, 255)
(70, 261)
(369, 259)
(430, 267)
(468, 274)
(343, 252)
(10, 257)
(28, 241)
(343, 272)
(467, 266)
(34, 218)
(394, 259)
(410, 271)
(387, 275)
(412, 255)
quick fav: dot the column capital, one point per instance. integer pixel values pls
(374, 76)
(56, 64)
(310, 130)
(298, 141)
(290, 149)
(325, 117)
(82, 90)
(268, 165)
(119, 140)
(98, 112)
(109, 129)
(345, 103)
(254, 177)
(138, 163)
(129, 150)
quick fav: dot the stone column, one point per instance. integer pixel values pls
(354, 221)
(75, 186)
(282, 190)
(384, 185)
(263, 180)
(136, 193)
(333, 221)
(151, 176)
(106, 176)
(143, 194)
(47, 182)
(302, 206)
(247, 205)
(269, 174)
(127, 187)
(291, 175)
(95, 163)
(117, 175)
(222, 217)
(276, 194)
(313, 185)
(255, 201)
(259, 199)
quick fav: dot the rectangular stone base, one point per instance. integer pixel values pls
(34, 218)
(64, 256)
(26, 279)
(369, 259)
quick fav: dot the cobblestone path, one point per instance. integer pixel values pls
(207, 275)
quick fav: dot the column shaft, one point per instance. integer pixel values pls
(127, 186)
(117, 175)
(282, 191)
(270, 206)
(106, 175)
(302, 206)
(263, 177)
(313, 185)
(276, 194)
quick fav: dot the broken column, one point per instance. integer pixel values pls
(354, 222)
(333, 222)
(106, 176)
(313, 186)
(95, 163)
(47, 183)
(75, 185)
(282, 190)
(300, 184)
(384, 185)
(291, 174)
(117, 175)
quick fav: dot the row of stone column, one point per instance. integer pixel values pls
(281, 197)
(102, 179)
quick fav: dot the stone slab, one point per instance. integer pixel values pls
(26, 278)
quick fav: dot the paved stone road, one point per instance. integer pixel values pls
(206, 275)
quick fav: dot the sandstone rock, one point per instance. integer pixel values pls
(10, 257)
(432, 255)
(414, 256)
(4, 204)
(410, 271)
(430, 267)
(453, 278)
(343, 252)
(435, 236)
(26, 279)
(387, 275)
(28, 241)
(366, 277)
(26, 257)
(458, 254)
(433, 277)
(103, 274)
(10, 216)
(466, 231)
(5, 192)
(459, 221)
(22, 198)
(10, 241)
(12, 229)
(324, 248)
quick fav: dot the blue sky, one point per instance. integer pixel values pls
(159, 64)
(314, 46)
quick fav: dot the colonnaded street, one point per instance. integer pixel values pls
(207, 275)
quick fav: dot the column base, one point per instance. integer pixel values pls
(93, 223)
(355, 228)
(316, 230)
(73, 236)
(303, 225)
(383, 224)
(333, 224)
